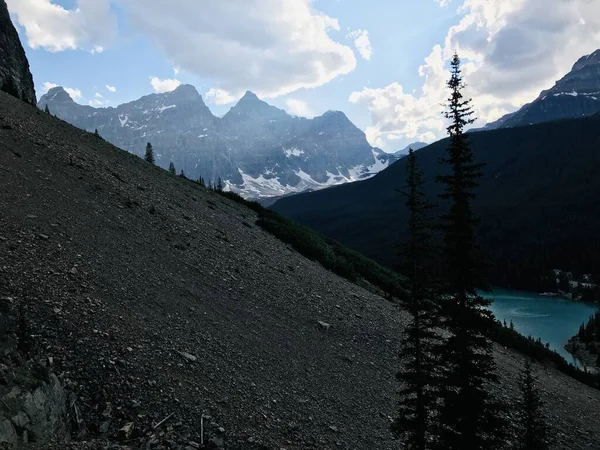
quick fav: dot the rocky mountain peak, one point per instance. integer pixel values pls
(592, 58)
(15, 77)
(185, 92)
(56, 95)
(251, 105)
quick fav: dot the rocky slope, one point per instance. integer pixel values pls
(15, 77)
(153, 296)
(259, 149)
(575, 95)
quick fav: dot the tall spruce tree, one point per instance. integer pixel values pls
(533, 430)
(469, 418)
(46, 109)
(219, 187)
(182, 174)
(149, 157)
(172, 170)
(417, 407)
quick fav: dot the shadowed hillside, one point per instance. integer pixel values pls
(538, 201)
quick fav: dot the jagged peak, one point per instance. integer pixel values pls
(56, 94)
(251, 105)
(187, 89)
(249, 95)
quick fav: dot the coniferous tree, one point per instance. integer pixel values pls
(417, 407)
(533, 430)
(46, 109)
(172, 170)
(219, 187)
(182, 174)
(149, 157)
(470, 418)
(96, 133)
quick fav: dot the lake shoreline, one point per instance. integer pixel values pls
(577, 349)
(552, 319)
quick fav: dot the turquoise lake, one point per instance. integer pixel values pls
(552, 319)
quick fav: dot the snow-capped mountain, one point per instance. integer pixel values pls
(258, 149)
(575, 95)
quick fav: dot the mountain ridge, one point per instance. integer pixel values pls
(575, 95)
(258, 149)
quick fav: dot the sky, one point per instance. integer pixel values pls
(382, 62)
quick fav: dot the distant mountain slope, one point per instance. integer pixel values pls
(415, 146)
(259, 149)
(539, 201)
(575, 95)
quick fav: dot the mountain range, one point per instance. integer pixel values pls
(260, 150)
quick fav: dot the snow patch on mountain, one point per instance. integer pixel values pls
(293, 152)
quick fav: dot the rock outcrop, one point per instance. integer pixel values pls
(15, 77)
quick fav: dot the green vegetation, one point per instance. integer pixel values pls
(172, 170)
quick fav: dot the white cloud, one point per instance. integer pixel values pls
(111, 88)
(361, 42)
(511, 50)
(176, 70)
(219, 97)
(98, 95)
(166, 85)
(300, 108)
(89, 26)
(271, 47)
(73, 92)
(96, 103)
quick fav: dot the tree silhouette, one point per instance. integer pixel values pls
(417, 407)
(470, 418)
(149, 157)
(533, 430)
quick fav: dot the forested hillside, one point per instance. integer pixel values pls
(538, 200)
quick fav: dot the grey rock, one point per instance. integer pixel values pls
(7, 432)
(189, 356)
(215, 443)
(20, 420)
(45, 408)
(104, 426)
(324, 325)
(15, 77)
